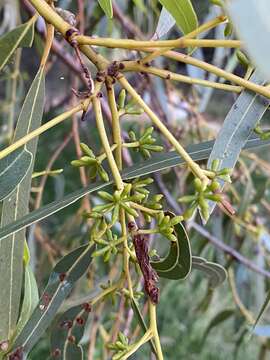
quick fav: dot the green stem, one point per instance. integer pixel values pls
(141, 44)
(25, 139)
(165, 74)
(143, 208)
(131, 145)
(133, 348)
(126, 252)
(105, 143)
(206, 26)
(116, 130)
(154, 330)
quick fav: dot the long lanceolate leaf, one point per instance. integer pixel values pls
(13, 169)
(15, 207)
(183, 13)
(30, 298)
(68, 331)
(238, 125)
(180, 251)
(21, 36)
(165, 22)
(63, 277)
(241, 11)
(163, 161)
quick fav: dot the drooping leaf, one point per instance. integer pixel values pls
(237, 127)
(241, 12)
(183, 13)
(262, 310)
(15, 206)
(67, 332)
(169, 268)
(215, 272)
(141, 321)
(13, 169)
(163, 161)
(21, 36)
(106, 6)
(30, 298)
(217, 320)
(62, 279)
(165, 22)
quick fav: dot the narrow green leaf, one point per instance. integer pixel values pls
(157, 163)
(256, 36)
(180, 251)
(170, 261)
(69, 325)
(217, 320)
(165, 22)
(106, 6)
(21, 36)
(15, 206)
(237, 127)
(215, 272)
(141, 321)
(262, 310)
(13, 169)
(183, 12)
(30, 299)
(62, 279)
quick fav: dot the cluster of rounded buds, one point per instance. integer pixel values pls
(92, 162)
(145, 143)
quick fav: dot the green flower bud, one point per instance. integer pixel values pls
(132, 136)
(86, 150)
(122, 99)
(102, 173)
(176, 220)
(198, 184)
(77, 163)
(214, 186)
(115, 214)
(215, 164)
(107, 256)
(147, 132)
(214, 197)
(242, 58)
(228, 29)
(122, 338)
(189, 212)
(105, 196)
(146, 154)
(187, 198)
(130, 210)
(93, 171)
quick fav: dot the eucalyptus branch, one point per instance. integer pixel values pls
(195, 168)
(131, 44)
(137, 66)
(48, 125)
